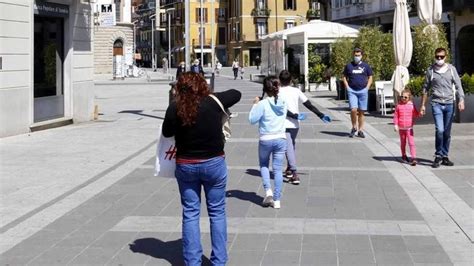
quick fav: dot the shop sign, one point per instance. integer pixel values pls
(106, 15)
(51, 9)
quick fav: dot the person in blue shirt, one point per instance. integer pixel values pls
(357, 80)
(270, 115)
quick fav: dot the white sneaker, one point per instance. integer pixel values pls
(268, 200)
(276, 204)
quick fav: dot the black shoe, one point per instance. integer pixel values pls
(436, 162)
(361, 134)
(295, 180)
(353, 132)
(447, 162)
(405, 159)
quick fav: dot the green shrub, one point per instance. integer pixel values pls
(416, 85)
(468, 83)
(341, 54)
(378, 51)
(425, 42)
(316, 67)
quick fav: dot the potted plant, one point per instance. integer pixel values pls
(467, 116)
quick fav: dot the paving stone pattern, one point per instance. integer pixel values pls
(349, 210)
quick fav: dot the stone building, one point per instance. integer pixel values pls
(112, 38)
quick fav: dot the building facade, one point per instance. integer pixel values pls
(46, 64)
(249, 21)
(113, 35)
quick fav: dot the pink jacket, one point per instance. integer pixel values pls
(404, 115)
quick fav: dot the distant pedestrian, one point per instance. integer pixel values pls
(270, 114)
(197, 67)
(235, 68)
(181, 69)
(293, 96)
(258, 61)
(357, 80)
(403, 120)
(195, 121)
(242, 72)
(442, 82)
(165, 65)
(218, 67)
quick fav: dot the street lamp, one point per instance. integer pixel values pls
(153, 63)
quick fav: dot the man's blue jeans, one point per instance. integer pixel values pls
(443, 118)
(212, 175)
(291, 134)
(275, 148)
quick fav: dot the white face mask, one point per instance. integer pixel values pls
(357, 59)
(440, 62)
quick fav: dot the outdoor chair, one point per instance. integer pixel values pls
(385, 97)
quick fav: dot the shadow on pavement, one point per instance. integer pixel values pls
(335, 133)
(139, 112)
(253, 172)
(247, 196)
(421, 161)
(171, 251)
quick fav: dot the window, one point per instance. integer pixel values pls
(289, 24)
(261, 4)
(198, 15)
(261, 29)
(220, 14)
(290, 5)
(203, 31)
(221, 38)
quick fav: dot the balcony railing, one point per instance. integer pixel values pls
(198, 42)
(261, 12)
(313, 14)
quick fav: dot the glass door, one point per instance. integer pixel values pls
(48, 68)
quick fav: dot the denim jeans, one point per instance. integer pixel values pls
(443, 117)
(291, 134)
(212, 175)
(275, 148)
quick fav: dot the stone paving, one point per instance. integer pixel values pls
(357, 205)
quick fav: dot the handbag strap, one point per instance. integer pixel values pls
(219, 103)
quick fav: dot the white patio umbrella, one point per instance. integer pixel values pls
(402, 44)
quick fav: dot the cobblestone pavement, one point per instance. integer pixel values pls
(85, 194)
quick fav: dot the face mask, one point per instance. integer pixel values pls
(357, 59)
(440, 62)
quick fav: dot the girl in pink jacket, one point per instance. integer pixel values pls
(405, 112)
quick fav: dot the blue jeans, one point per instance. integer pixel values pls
(212, 175)
(443, 117)
(291, 134)
(275, 148)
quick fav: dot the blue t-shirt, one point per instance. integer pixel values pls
(357, 75)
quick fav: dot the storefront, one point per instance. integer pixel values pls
(46, 75)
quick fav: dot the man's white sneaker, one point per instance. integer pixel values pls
(276, 204)
(268, 200)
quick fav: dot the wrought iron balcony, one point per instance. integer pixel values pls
(313, 14)
(261, 12)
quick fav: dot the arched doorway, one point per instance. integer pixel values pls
(119, 71)
(118, 47)
(465, 53)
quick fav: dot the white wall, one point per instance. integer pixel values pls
(82, 61)
(16, 91)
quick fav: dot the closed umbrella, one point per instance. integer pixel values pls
(430, 11)
(403, 46)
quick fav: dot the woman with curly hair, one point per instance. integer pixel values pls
(270, 114)
(195, 120)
